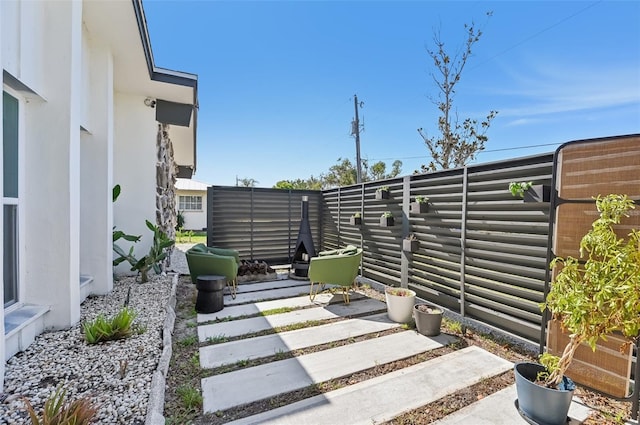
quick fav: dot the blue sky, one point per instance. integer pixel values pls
(277, 78)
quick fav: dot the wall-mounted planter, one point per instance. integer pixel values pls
(538, 193)
(382, 194)
(386, 221)
(419, 207)
(410, 245)
(355, 221)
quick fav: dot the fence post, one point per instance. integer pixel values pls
(463, 239)
(406, 207)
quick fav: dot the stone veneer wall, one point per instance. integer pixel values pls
(166, 171)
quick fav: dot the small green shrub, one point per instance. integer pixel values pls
(518, 189)
(190, 396)
(104, 329)
(421, 199)
(57, 411)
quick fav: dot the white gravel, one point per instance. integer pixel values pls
(94, 371)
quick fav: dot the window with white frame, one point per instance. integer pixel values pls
(190, 203)
(10, 198)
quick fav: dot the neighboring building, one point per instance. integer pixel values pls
(82, 103)
(191, 201)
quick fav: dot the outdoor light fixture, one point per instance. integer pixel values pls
(151, 103)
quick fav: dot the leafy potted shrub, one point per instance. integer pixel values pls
(428, 319)
(530, 192)
(355, 219)
(410, 243)
(382, 193)
(400, 303)
(421, 205)
(591, 298)
(386, 219)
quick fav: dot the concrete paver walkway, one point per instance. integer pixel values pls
(263, 346)
(371, 401)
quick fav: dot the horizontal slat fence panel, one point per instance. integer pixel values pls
(261, 224)
(482, 252)
(475, 233)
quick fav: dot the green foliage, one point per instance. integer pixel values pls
(190, 396)
(382, 189)
(157, 253)
(518, 189)
(57, 411)
(119, 234)
(180, 220)
(357, 215)
(601, 295)
(387, 214)
(456, 143)
(421, 199)
(104, 329)
(400, 292)
(188, 341)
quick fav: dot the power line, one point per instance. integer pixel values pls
(478, 153)
(538, 33)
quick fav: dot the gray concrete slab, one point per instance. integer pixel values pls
(256, 324)
(268, 345)
(267, 285)
(499, 409)
(255, 308)
(243, 386)
(383, 398)
(269, 294)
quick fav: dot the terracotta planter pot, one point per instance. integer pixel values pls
(400, 307)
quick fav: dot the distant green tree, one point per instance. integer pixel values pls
(344, 173)
(311, 183)
(457, 143)
(246, 182)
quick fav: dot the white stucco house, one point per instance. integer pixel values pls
(191, 201)
(84, 108)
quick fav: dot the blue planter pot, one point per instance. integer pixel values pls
(540, 404)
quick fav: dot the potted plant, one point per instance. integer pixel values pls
(382, 193)
(355, 219)
(410, 243)
(400, 303)
(530, 192)
(386, 219)
(421, 204)
(428, 319)
(590, 297)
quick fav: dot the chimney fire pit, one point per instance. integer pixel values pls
(304, 245)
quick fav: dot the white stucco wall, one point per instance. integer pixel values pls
(134, 140)
(194, 220)
(96, 182)
(52, 178)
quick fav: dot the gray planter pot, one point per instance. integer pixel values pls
(355, 221)
(419, 207)
(538, 193)
(386, 221)
(538, 403)
(382, 194)
(410, 245)
(428, 322)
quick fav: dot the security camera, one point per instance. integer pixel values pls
(151, 103)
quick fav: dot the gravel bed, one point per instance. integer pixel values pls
(115, 375)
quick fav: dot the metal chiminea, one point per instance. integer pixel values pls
(304, 245)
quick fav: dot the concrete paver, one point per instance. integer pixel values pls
(243, 386)
(256, 324)
(270, 294)
(270, 285)
(499, 409)
(255, 308)
(252, 348)
(385, 397)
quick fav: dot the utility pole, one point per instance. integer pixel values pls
(355, 131)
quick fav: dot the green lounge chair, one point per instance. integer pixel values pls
(335, 267)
